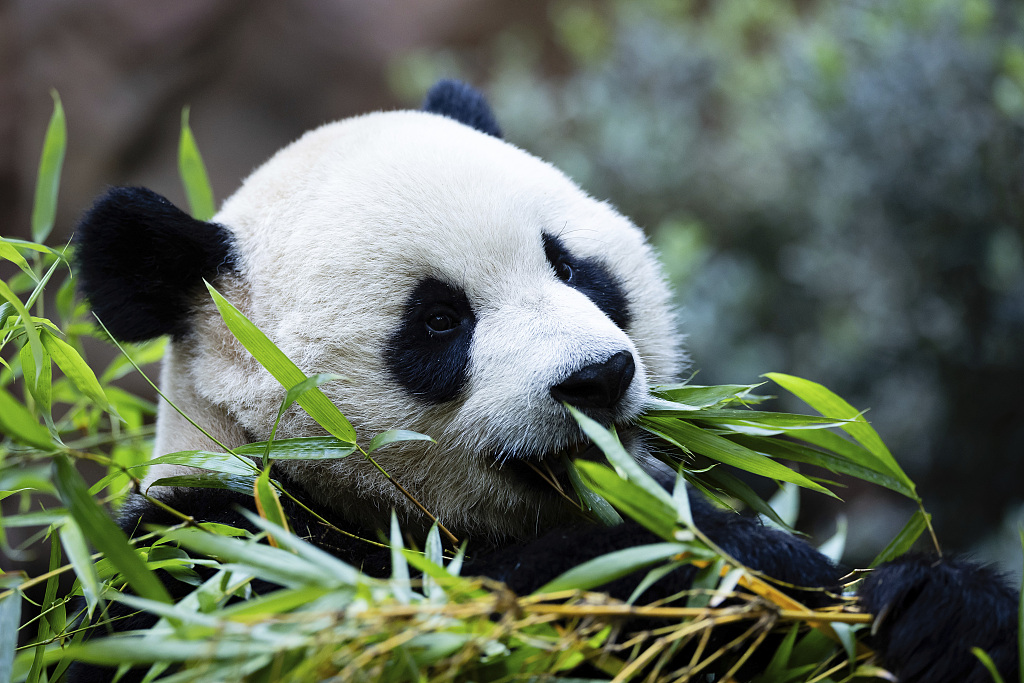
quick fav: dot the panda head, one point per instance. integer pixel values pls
(462, 287)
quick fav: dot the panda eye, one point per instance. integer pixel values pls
(441, 321)
(564, 271)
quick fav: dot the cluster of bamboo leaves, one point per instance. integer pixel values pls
(328, 621)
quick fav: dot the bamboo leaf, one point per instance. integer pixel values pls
(315, 402)
(268, 504)
(591, 501)
(214, 480)
(777, 666)
(621, 460)
(395, 436)
(301, 448)
(28, 325)
(652, 512)
(10, 619)
(989, 665)
(696, 397)
(42, 390)
(73, 541)
(76, 369)
(681, 500)
(101, 531)
(293, 394)
(903, 541)
(271, 564)
(827, 403)
(834, 547)
(345, 573)
(400, 582)
(7, 251)
(739, 489)
(193, 173)
(21, 425)
(44, 208)
(206, 460)
(601, 570)
(837, 461)
(693, 438)
(765, 419)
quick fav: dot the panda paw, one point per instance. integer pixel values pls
(930, 612)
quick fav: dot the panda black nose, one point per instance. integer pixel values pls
(599, 386)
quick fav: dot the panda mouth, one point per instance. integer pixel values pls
(549, 469)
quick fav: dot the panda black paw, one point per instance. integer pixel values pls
(930, 612)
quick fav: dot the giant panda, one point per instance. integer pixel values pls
(465, 289)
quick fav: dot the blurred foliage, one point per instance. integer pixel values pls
(835, 189)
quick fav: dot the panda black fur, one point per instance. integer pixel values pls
(464, 289)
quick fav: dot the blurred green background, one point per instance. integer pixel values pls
(836, 188)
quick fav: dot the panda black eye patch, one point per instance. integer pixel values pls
(429, 352)
(589, 277)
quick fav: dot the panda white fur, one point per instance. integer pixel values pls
(464, 289)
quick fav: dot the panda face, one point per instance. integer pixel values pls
(463, 288)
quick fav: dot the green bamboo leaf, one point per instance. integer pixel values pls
(400, 583)
(989, 665)
(732, 485)
(433, 552)
(837, 461)
(29, 326)
(834, 547)
(315, 402)
(42, 390)
(267, 562)
(272, 604)
(345, 573)
(76, 369)
(38, 518)
(44, 208)
(395, 436)
(777, 666)
(827, 403)
(620, 459)
(606, 568)
(695, 397)
(652, 512)
(651, 578)
(7, 251)
(301, 448)
(268, 504)
(591, 501)
(765, 419)
(205, 460)
(214, 480)
(693, 438)
(101, 531)
(681, 500)
(846, 638)
(903, 541)
(141, 354)
(10, 619)
(193, 173)
(21, 425)
(116, 650)
(292, 395)
(75, 547)
(46, 625)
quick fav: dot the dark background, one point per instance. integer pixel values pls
(836, 188)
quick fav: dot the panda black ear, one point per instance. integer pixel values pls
(141, 262)
(458, 101)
